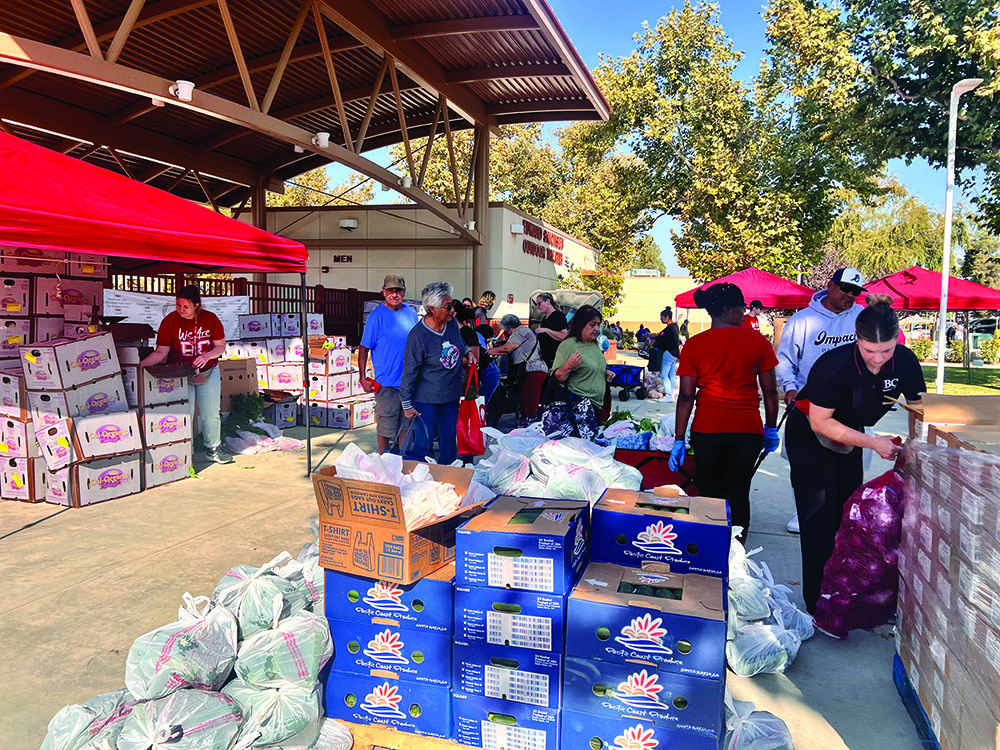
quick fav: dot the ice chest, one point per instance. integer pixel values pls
(415, 707)
(504, 725)
(363, 530)
(95, 481)
(513, 674)
(523, 543)
(580, 731)
(676, 621)
(691, 534)
(22, 479)
(427, 604)
(522, 619)
(163, 464)
(373, 648)
(675, 701)
(64, 363)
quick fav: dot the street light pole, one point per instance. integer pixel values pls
(966, 84)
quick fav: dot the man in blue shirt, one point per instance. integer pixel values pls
(385, 337)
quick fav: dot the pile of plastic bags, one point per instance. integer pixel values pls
(639, 436)
(861, 578)
(248, 443)
(765, 627)
(525, 463)
(236, 671)
(749, 729)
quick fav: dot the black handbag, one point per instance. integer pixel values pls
(655, 360)
(517, 371)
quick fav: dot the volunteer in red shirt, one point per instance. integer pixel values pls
(721, 369)
(196, 337)
(750, 319)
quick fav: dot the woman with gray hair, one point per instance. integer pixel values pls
(526, 364)
(433, 378)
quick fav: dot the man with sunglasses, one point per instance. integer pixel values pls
(827, 323)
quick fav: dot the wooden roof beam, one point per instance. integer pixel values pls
(508, 71)
(555, 105)
(570, 116)
(464, 26)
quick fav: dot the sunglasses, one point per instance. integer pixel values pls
(850, 289)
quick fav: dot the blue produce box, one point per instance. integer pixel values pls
(691, 534)
(582, 731)
(424, 605)
(674, 620)
(414, 655)
(525, 544)
(414, 707)
(514, 674)
(504, 725)
(522, 619)
(667, 699)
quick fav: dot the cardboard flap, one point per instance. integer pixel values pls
(701, 596)
(173, 370)
(661, 502)
(553, 517)
(962, 410)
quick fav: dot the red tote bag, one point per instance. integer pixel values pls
(470, 422)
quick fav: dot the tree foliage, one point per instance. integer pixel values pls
(981, 259)
(313, 188)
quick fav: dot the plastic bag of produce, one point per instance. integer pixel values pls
(287, 717)
(334, 735)
(509, 470)
(196, 652)
(257, 595)
(74, 726)
(575, 483)
(185, 720)
(748, 599)
(290, 655)
(760, 649)
(551, 456)
(793, 618)
(617, 474)
(748, 729)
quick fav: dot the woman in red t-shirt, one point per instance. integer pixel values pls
(721, 368)
(196, 337)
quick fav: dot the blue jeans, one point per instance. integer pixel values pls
(209, 398)
(489, 379)
(667, 370)
(440, 417)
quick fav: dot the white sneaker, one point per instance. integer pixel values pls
(792, 527)
(667, 397)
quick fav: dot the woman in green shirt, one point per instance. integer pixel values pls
(579, 362)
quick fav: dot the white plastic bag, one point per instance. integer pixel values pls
(748, 599)
(293, 653)
(793, 618)
(257, 595)
(185, 720)
(73, 726)
(188, 652)
(575, 483)
(509, 470)
(552, 455)
(748, 729)
(286, 717)
(334, 735)
(760, 649)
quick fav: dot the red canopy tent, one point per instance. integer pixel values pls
(917, 288)
(773, 291)
(55, 202)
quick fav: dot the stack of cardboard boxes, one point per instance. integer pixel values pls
(335, 393)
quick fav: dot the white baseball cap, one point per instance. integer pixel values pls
(850, 277)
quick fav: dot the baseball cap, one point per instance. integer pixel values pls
(394, 281)
(757, 303)
(849, 277)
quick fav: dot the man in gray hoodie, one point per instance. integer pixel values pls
(827, 323)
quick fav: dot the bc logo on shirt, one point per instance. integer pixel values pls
(890, 383)
(449, 355)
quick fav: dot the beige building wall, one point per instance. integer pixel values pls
(644, 297)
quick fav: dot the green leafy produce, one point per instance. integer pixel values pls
(618, 415)
(647, 425)
(248, 408)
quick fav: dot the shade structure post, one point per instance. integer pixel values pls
(304, 327)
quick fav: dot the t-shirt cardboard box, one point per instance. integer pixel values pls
(513, 674)
(51, 293)
(22, 479)
(64, 363)
(163, 464)
(104, 396)
(504, 725)
(30, 260)
(95, 481)
(427, 604)
(17, 439)
(14, 394)
(691, 534)
(255, 326)
(238, 376)
(365, 648)
(524, 543)
(166, 423)
(14, 333)
(15, 297)
(47, 328)
(406, 706)
(87, 266)
(363, 529)
(673, 620)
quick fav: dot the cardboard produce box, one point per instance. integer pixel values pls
(15, 297)
(295, 351)
(413, 707)
(17, 439)
(76, 330)
(105, 396)
(166, 423)
(427, 604)
(369, 648)
(363, 528)
(56, 443)
(351, 414)
(49, 328)
(317, 387)
(64, 363)
(691, 534)
(338, 387)
(14, 333)
(87, 266)
(525, 544)
(255, 326)
(581, 729)
(106, 435)
(163, 464)
(286, 324)
(950, 413)
(30, 260)
(237, 376)
(51, 293)
(285, 378)
(235, 350)
(258, 351)
(153, 389)
(315, 324)
(22, 479)
(283, 414)
(512, 674)
(492, 723)
(275, 351)
(95, 481)
(81, 314)
(500, 617)
(673, 620)
(14, 394)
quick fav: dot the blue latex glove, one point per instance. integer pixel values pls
(771, 440)
(677, 455)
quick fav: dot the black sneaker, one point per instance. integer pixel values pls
(219, 457)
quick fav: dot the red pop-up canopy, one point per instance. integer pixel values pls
(55, 202)
(917, 288)
(773, 291)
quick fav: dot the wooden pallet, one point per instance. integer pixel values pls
(912, 705)
(377, 737)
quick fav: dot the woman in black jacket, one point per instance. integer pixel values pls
(668, 341)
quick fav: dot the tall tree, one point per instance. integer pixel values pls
(981, 256)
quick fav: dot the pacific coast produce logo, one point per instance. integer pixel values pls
(386, 648)
(109, 433)
(110, 479)
(636, 738)
(169, 463)
(644, 634)
(89, 360)
(73, 297)
(98, 402)
(169, 424)
(383, 702)
(641, 690)
(657, 539)
(386, 597)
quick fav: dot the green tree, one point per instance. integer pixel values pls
(313, 188)
(981, 257)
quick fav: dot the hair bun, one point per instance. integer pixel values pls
(700, 297)
(878, 299)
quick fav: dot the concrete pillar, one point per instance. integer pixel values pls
(481, 213)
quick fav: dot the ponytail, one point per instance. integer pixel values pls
(877, 323)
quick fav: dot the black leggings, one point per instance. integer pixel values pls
(724, 462)
(822, 480)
